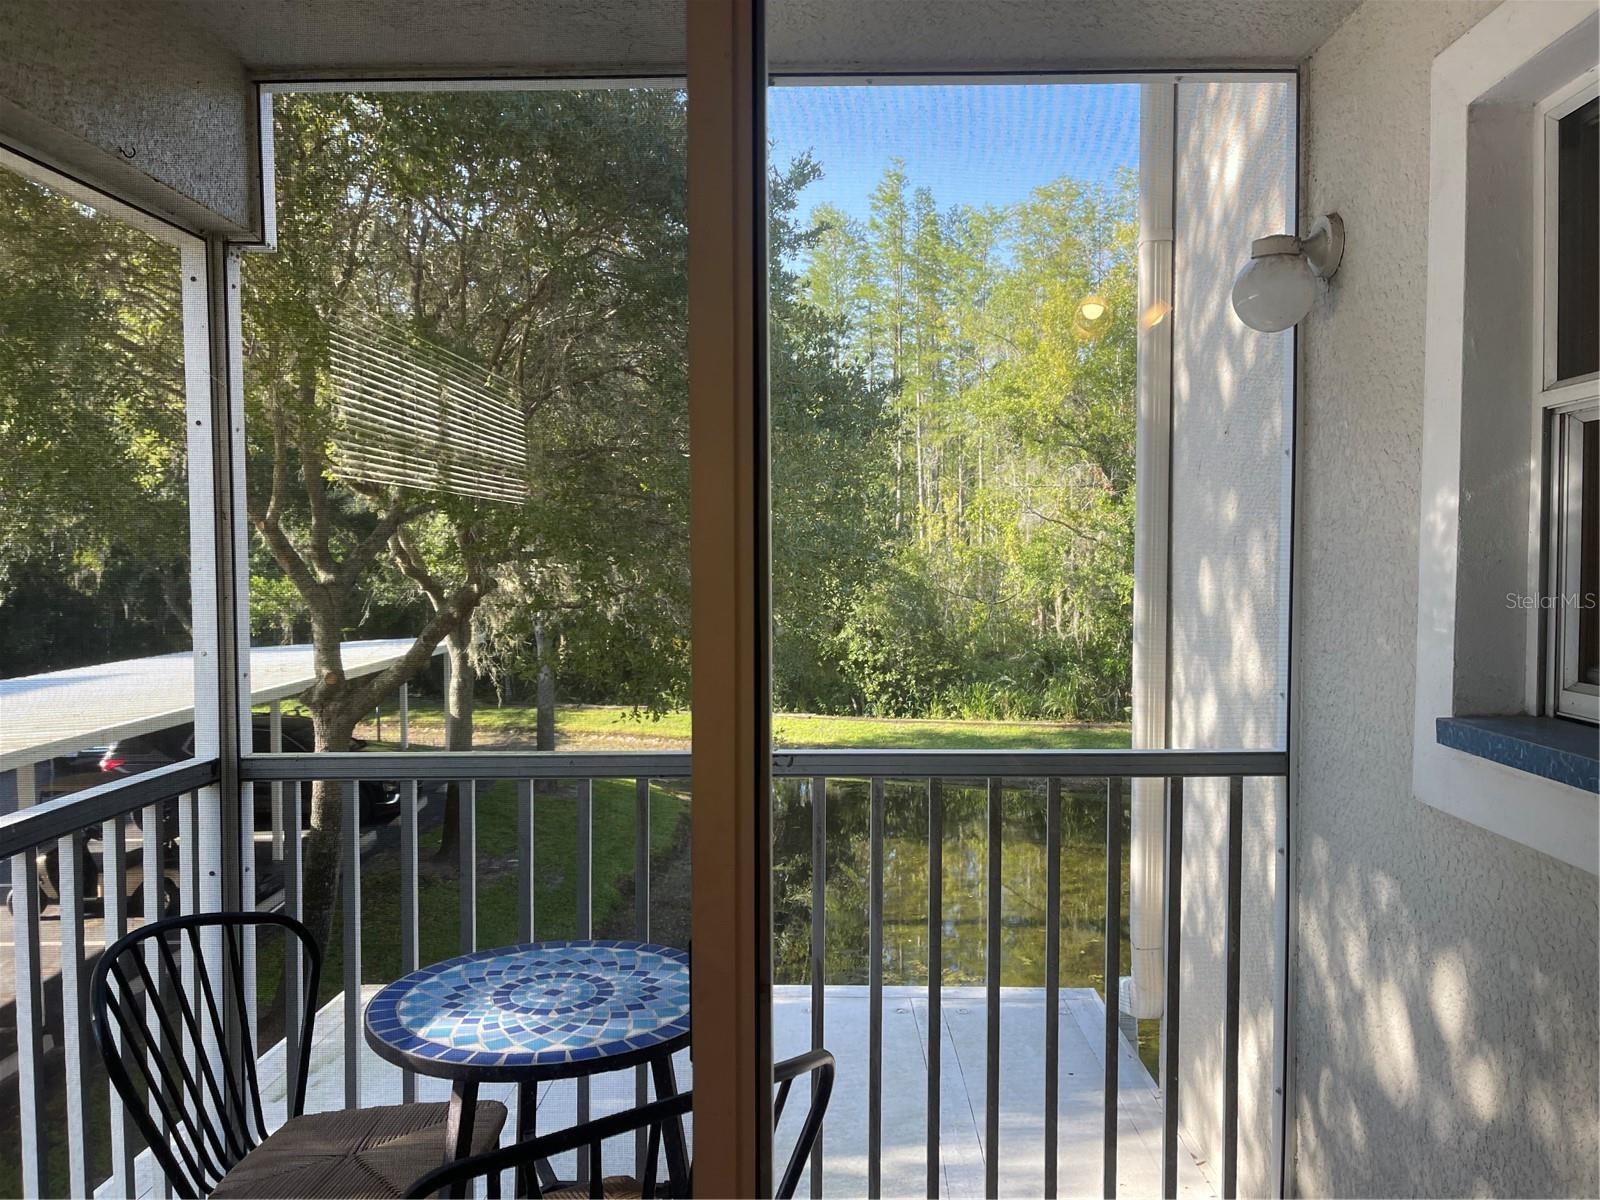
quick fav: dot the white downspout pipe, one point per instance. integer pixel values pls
(1151, 588)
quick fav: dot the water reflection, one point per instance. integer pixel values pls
(964, 852)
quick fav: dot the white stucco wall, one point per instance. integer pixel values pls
(1446, 987)
(1232, 398)
(133, 98)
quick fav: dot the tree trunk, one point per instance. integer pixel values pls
(544, 702)
(323, 852)
(458, 702)
(545, 733)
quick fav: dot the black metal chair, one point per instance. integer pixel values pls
(523, 1156)
(199, 1106)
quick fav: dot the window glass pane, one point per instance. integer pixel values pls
(1578, 243)
(953, 295)
(467, 481)
(96, 662)
(958, 327)
(466, 412)
(1588, 670)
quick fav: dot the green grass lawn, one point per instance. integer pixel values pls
(593, 722)
(555, 881)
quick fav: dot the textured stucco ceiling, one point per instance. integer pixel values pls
(391, 37)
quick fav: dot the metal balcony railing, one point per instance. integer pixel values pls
(106, 810)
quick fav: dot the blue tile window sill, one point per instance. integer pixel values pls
(1564, 751)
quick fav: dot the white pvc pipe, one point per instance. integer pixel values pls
(1151, 589)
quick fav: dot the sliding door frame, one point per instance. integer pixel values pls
(729, 549)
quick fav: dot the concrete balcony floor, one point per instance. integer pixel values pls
(905, 1079)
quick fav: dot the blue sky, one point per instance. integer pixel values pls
(970, 143)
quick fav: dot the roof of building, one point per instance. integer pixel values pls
(42, 716)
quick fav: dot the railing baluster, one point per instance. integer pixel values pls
(641, 859)
(935, 977)
(410, 883)
(467, 873)
(154, 880)
(247, 1008)
(114, 837)
(875, 990)
(584, 893)
(1230, 1051)
(819, 942)
(179, 978)
(293, 967)
(1052, 978)
(527, 1093)
(74, 1024)
(526, 875)
(352, 944)
(188, 902)
(991, 970)
(275, 746)
(641, 925)
(585, 905)
(29, 1000)
(1113, 983)
(1170, 1019)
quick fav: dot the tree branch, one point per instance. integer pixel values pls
(410, 564)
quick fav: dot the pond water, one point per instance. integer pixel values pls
(964, 853)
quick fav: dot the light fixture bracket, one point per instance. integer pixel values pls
(1274, 243)
(1324, 248)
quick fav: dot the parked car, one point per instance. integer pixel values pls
(68, 773)
(380, 801)
(47, 864)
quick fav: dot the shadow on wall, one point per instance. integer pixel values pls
(1409, 1028)
(1447, 994)
(1231, 478)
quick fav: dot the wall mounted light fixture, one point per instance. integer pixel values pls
(1277, 286)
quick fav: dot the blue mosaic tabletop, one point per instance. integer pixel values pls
(542, 1010)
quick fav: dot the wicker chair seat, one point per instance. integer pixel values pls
(361, 1153)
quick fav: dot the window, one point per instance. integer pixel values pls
(1576, 537)
(1576, 321)
(1511, 230)
(1570, 322)
(97, 624)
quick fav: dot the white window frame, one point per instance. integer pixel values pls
(1501, 70)
(197, 396)
(1568, 695)
(1559, 404)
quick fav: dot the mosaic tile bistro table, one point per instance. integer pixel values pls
(537, 1012)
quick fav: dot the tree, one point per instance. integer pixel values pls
(1007, 590)
(539, 235)
(94, 481)
(830, 435)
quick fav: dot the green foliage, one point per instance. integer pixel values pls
(894, 647)
(830, 520)
(952, 493)
(1004, 584)
(93, 482)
